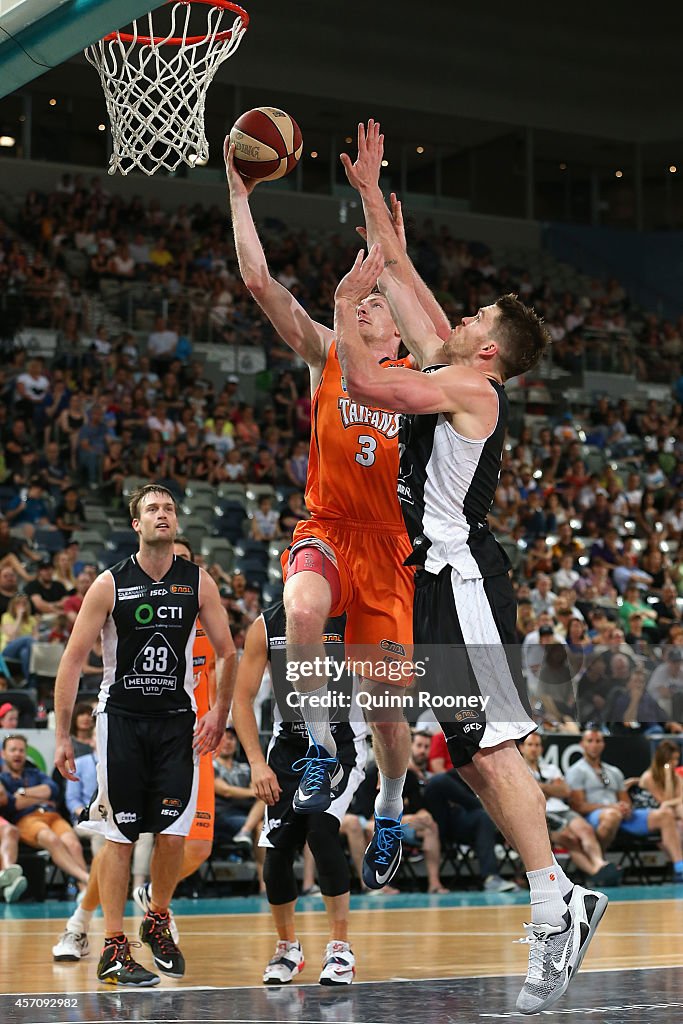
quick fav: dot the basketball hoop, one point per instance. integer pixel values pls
(155, 85)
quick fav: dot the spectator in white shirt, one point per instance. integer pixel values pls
(265, 524)
(566, 576)
(122, 264)
(159, 420)
(33, 385)
(161, 345)
(542, 597)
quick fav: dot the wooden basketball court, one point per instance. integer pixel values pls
(420, 959)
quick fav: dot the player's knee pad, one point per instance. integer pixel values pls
(312, 555)
(278, 875)
(330, 860)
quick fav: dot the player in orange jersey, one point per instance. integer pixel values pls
(349, 557)
(73, 943)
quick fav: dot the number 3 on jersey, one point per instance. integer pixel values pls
(366, 456)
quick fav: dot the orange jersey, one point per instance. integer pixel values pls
(204, 661)
(353, 458)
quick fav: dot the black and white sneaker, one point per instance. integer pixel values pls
(321, 774)
(141, 896)
(117, 967)
(592, 905)
(557, 952)
(155, 932)
(383, 855)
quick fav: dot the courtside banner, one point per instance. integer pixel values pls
(40, 747)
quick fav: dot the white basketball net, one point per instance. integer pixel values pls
(156, 91)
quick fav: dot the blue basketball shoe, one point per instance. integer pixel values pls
(383, 855)
(321, 774)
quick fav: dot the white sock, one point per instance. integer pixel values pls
(564, 883)
(317, 719)
(389, 801)
(547, 905)
(79, 922)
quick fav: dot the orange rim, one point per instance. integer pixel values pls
(224, 5)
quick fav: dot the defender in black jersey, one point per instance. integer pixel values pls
(464, 602)
(146, 609)
(275, 779)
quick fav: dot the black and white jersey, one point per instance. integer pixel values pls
(446, 486)
(287, 718)
(147, 641)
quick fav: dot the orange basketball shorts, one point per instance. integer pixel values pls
(202, 824)
(376, 590)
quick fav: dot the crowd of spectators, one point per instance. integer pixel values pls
(590, 502)
(63, 247)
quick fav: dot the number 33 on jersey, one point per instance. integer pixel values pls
(148, 641)
(353, 458)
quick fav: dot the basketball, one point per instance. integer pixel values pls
(268, 143)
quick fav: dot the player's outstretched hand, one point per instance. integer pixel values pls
(364, 173)
(239, 186)
(208, 731)
(397, 220)
(362, 277)
(265, 784)
(65, 761)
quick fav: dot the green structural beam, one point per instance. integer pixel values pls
(68, 29)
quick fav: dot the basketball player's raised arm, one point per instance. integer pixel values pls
(305, 336)
(211, 726)
(97, 605)
(452, 389)
(387, 229)
(249, 677)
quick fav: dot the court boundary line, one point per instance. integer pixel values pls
(312, 984)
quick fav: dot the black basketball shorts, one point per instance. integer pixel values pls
(466, 631)
(147, 777)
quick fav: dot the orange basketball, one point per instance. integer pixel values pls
(268, 143)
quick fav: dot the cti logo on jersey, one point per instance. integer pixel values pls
(353, 414)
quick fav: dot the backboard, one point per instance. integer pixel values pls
(36, 35)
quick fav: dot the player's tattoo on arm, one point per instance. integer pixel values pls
(390, 263)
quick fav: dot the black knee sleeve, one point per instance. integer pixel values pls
(330, 860)
(278, 875)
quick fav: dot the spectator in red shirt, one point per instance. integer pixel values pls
(439, 758)
(72, 604)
